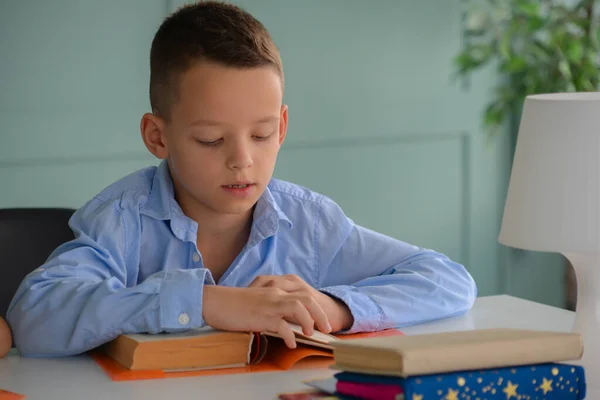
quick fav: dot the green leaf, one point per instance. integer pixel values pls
(536, 23)
(494, 115)
(537, 54)
(473, 57)
(585, 85)
(558, 37)
(574, 51)
(515, 64)
(506, 94)
(504, 46)
(465, 63)
(528, 8)
(565, 69)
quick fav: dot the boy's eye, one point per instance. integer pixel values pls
(209, 144)
(262, 137)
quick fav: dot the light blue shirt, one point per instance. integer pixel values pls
(134, 267)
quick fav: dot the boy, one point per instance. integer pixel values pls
(208, 237)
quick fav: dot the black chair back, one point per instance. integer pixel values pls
(27, 237)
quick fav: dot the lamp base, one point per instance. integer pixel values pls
(587, 317)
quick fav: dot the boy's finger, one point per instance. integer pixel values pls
(287, 334)
(261, 281)
(301, 315)
(278, 282)
(288, 286)
(317, 314)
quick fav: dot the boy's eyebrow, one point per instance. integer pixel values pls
(205, 122)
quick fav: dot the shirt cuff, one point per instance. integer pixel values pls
(180, 298)
(367, 314)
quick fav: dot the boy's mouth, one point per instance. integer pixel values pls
(240, 189)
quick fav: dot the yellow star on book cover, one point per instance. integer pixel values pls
(546, 386)
(452, 395)
(417, 397)
(510, 390)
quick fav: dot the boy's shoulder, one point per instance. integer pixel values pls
(285, 192)
(297, 199)
(131, 190)
(134, 184)
(115, 206)
(307, 208)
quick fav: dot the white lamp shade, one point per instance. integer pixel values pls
(553, 196)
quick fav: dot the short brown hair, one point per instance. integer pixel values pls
(211, 31)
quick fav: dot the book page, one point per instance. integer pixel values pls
(317, 336)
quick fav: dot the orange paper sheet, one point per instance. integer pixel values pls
(6, 395)
(278, 358)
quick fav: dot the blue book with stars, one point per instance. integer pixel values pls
(550, 381)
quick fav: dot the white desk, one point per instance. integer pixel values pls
(81, 378)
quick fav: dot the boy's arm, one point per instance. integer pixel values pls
(385, 282)
(86, 293)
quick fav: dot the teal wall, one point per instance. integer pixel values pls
(375, 120)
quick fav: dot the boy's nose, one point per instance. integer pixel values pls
(239, 158)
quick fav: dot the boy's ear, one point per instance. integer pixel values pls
(152, 129)
(283, 123)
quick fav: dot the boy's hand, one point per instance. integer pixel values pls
(259, 309)
(338, 314)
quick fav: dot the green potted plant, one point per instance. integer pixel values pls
(538, 46)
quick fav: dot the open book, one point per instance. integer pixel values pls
(204, 348)
(212, 352)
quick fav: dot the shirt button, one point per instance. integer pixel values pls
(184, 319)
(196, 257)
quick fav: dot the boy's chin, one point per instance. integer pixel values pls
(235, 207)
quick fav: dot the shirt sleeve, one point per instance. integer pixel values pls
(385, 282)
(87, 294)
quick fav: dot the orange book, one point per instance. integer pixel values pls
(6, 395)
(212, 352)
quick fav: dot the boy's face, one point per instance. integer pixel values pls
(223, 137)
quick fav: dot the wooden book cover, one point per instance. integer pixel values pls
(455, 351)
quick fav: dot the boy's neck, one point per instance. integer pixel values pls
(226, 228)
(220, 238)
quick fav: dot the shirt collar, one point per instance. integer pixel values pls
(161, 204)
(161, 200)
(268, 214)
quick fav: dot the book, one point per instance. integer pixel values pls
(369, 391)
(211, 358)
(329, 386)
(550, 381)
(455, 351)
(6, 395)
(203, 348)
